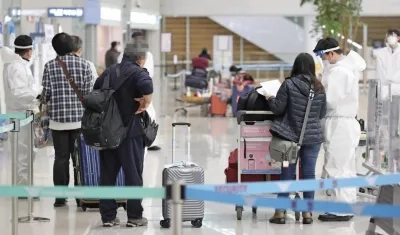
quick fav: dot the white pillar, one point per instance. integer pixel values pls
(310, 38)
(154, 40)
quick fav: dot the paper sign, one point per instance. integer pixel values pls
(269, 88)
(166, 45)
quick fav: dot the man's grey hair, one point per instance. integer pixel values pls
(76, 43)
(136, 49)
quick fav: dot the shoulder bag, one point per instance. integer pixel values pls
(286, 151)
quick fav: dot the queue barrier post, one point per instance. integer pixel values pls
(30, 218)
(177, 201)
(14, 178)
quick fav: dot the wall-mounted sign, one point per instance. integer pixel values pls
(16, 12)
(144, 18)
(113, 14)
(67, 12)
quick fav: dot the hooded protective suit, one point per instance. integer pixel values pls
(388, 68)
(341, 129)
(21, 90)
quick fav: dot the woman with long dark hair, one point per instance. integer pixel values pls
(289, 107)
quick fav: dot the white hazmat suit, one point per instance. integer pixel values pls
(21, 90)
(341, 129)
(388, 68)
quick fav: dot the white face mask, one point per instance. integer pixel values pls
(118, 48)
(392, 40)
(323, 64)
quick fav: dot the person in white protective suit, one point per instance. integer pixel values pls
(21, 93)
(341, 129)
(388, 62)
(149, 65)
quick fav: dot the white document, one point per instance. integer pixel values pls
(269, 88)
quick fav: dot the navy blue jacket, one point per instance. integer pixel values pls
(136, 85)
(289, 107)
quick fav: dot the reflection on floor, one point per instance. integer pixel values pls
(212, 140)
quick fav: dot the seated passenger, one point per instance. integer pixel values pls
(133, 97)
(289, 106)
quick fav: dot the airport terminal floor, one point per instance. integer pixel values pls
(212, 140)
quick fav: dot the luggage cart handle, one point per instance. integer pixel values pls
(174, 124)
(241, 113)
(181, 124)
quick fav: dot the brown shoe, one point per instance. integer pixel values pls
(279, 217)
(307, 218)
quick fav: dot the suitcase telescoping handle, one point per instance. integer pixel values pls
(174, 137)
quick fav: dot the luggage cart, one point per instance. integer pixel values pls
(253, 150)
(385, 158)
(197, 97)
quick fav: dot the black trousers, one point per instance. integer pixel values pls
(130, 156)
(64, 142)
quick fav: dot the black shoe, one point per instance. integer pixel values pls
(334, 218)
(279, 217)
(154, 148)
(111, 223)
(137, 222)
(60, 203)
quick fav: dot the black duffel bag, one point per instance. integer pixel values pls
(196, 82)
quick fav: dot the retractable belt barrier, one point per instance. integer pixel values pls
(301, 185)
(238, 194)
(23, 121)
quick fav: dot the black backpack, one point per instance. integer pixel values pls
(253, 101)
(102, 124)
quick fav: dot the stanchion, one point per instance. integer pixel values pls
(14, 162)
(176, 207)
(30, 217)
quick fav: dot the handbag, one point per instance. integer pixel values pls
(149, 128)
(286, 151)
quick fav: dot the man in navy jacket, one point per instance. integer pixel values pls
(133, 97)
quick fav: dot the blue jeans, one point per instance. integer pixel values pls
(308, 155)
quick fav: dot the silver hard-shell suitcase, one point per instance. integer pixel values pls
(190, 173)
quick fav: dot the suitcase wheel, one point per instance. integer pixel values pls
(239, 212)
(83, 207)
(329, 192)
(197, 223)
(166, 223)
(254, 209)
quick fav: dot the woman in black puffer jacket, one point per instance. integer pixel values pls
(289, 106)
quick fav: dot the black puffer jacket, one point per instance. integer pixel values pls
(289, 106)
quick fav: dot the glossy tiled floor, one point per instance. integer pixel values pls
(212, 140)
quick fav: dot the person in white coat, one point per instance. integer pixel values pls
(21, 93)
(388, 60)
(77, 50)
(341, 129)
(149, 66)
